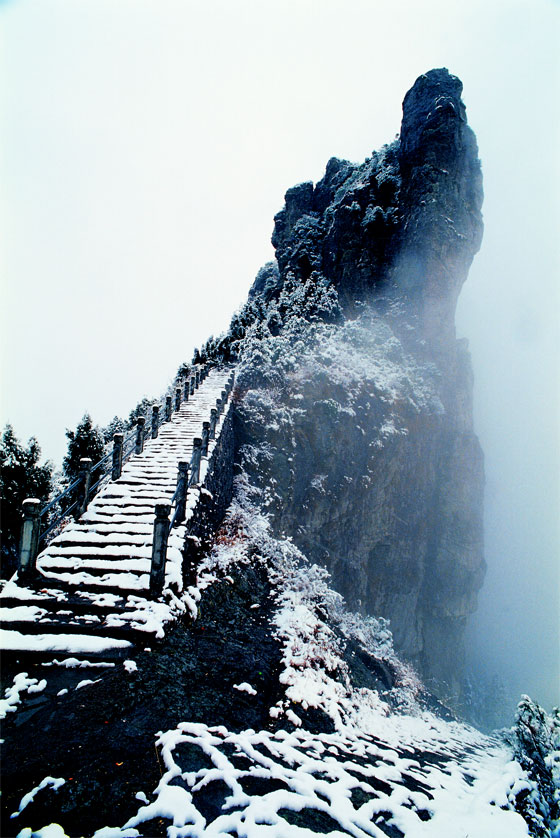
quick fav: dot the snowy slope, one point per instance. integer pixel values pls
(371, 763)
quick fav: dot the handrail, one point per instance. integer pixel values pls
(57, 521)
(102, 460)
(60, 496)
(102, 479)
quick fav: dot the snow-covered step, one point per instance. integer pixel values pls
(15, 641)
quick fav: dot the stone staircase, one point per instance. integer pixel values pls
(89, 605)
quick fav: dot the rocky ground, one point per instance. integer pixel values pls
(102, 736)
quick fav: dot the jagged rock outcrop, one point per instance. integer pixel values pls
(371, 463)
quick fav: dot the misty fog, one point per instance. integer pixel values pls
(516, 366)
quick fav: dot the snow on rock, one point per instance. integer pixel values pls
(53, 830)
(422, 777)
(86, 683)
(22, 683)
(245, 688)
(72, 663)
(130, 667)
(53, 782)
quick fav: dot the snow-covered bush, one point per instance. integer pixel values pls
(311, 621)
(536, 740)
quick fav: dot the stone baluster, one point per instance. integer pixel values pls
(83, 488)
(159, 549)
(155, 421)
(191, 555)
(29, 541)
(197, 378)
(117, 456)
(177, 398)
(205, 438)
(139, 446)
(195, 461)
(182, 487)
(192, 385)
(213, 420)
(187, 389)
(167, 408)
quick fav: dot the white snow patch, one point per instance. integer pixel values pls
(86, 682)
(53, 830)
(245, 688)
(22, 683)
(53, 782)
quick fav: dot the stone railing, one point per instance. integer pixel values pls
(210, 468)
(109, 467)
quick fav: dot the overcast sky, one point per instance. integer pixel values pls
(147, 144)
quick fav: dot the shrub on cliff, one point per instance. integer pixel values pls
(537, 748)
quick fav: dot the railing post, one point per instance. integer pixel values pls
(218, 408)
(186, 389)
(205, 438)
(117, 456)
(191, 557)
(195, 461)
(213, 420)
(223, 401)
(182, 487)
(197, 378)
(29, 542)
(177, 398)
(155, 421)
(159, 549)
(140, 435)
(167, 408)
(83, 489)
(192, 385)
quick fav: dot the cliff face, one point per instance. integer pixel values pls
(355, 414)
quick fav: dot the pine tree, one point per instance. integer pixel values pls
(85, 441)
(115, 426)
(143, 408)
(21, 477)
